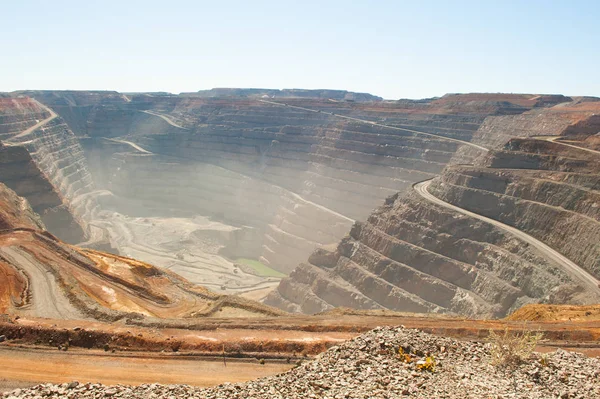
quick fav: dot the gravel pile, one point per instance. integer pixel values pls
(370, 366)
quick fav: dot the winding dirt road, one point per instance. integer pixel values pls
(554, 139)
(47, 297)
(133, 145)
(570, 267)
(52, 116)
(378, 124)
(32, 366)
(166, 119)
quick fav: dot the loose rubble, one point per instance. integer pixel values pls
(373, 366)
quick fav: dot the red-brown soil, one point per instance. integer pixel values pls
(281, 336)
(29, 367)
(102, 285)
(13, 288)
(193, 354)
(557, 313)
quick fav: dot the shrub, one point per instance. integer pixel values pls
(512, 348)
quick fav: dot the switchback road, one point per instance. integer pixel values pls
(37, 125)
(570, 267)
(166, 119)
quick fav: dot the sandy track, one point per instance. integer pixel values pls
(37, 125)
(166, 119)
(30, 366)
(131, 144)
(47, 299)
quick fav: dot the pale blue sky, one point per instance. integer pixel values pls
(394, 49)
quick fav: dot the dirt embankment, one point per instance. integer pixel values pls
(117, 368)
(280, 337)
(557, 313)
(51, 276)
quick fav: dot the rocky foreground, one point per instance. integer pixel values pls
(373, 366)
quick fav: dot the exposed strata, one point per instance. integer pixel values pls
(413, 255)
(59, 281)
(43, 161)
(19, 114)
(555, 197)
(592, 142)
(409, 254)
(568, 119)
(298, 177)
(16, 212)
(41, 276)
(286, 177)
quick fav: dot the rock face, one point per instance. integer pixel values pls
(298, 173)
(554, 199)
(16, 212)
(290, 172)
(414, 255)
(92, 113)
(41, 276)
(43, 161)
(18, 114)
(570, 119)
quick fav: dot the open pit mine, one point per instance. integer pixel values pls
(274, 224)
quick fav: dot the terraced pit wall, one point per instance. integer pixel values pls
(47, 166)
(415, 255)
(293, 177)
(555, 198)
(298, 177)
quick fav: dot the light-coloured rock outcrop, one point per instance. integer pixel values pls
(16, 212)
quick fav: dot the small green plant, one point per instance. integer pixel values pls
(511, 348)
